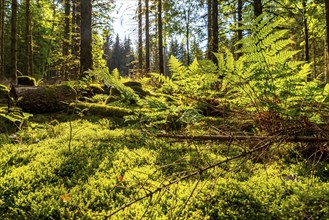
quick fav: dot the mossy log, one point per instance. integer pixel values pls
(42, 99)
(101, 109)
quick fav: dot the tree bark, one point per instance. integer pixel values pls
(160, 38)
(147, 36)
(326, 5)
(140, 35)
(45, 99)
(66, 40)
(28, 40)
(209, 29)
(76, 23)
(306, 37)
(258, 7)
(86, 60)
(187, 18)
(215, 30)
(13, 49)
(239, 46)
(2, 39)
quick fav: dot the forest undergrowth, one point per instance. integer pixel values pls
(247, 139)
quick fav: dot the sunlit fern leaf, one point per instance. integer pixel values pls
(116, 74)
(177, 69)
(193, 67)
(113, 81)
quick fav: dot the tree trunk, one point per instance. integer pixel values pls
(258, 7)
(46, 65)
(147, 37)
(66, 41)
(76, 23)
(13, 49)
(209, 28)
(2, 39)
(160, 38)
(140, 36)
(28, 40)
(187, 18)
(215, 30)
(326, 5)
(239, 46)
(86, 60)
(45, 99)
(306, 37)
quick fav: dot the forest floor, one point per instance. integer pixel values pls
(81, 165)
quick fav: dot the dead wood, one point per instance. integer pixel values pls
(41, 99)
(223, 138)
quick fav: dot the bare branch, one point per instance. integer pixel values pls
(223, 138)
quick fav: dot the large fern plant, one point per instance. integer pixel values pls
(194, 80)
(266, 77)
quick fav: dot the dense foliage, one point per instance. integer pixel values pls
(242, 135)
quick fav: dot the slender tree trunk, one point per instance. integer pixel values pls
(326, 5)
(258, 7)
(160, 38)
(147, 37)
(140, 36)
(67, 38)
(13, 49)
(76, 23)
(2, 39)
(49, 45)
(215, 30)
(306, 36)
(28, 40)
(188, 35)
(209, 18)
(239, 46)
(86, 59)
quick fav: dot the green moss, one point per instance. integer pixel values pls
(101, 109)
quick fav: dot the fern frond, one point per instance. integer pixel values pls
(112, 81)
(176, 68)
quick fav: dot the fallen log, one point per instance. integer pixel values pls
(41, 99)
(223, 138)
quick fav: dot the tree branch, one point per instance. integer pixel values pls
(224, 138)
(189, 175)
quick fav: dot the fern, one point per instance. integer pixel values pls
(265, 75)
(114, 81)
(194, 80)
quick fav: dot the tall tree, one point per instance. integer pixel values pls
(306, 34)
(76, 23)
(28, 40)
(209, 29)
(13, 49)
(326, 5)
(140, 35)
(187, 20)
(147, 36)
(2, 39)
(67, 33)
(160, 38)
(215, 29)
(239, 46)
(86, 59)
(258, 7)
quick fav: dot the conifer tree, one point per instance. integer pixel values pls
(86, 60)
(13, 50)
